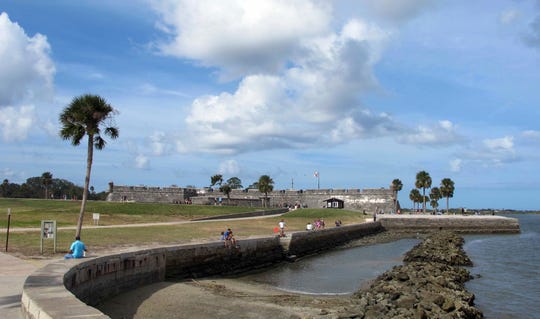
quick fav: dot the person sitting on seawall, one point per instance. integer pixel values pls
(77, 249)
(309, 227)
(230, 239)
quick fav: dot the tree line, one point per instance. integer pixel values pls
(46, 187)
(423, 182)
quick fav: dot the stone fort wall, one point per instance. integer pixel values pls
(363, 200)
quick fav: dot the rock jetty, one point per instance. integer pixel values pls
(429, 285)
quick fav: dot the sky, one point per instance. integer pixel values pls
(360, 91)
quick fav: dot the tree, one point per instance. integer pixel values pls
(265, 185)
(434, 197)
(414, 196)
(5, 188)
(235, 183)
(447, 190)
(216, 180)
(255, 185)
(226, 189)
(423, 181)
(91, 116)
(396, 186)
(46, 180)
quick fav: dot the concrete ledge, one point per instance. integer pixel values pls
(457, 223)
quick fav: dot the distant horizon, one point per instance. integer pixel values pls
(361, 92)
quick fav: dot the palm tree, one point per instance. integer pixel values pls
(447, 190)
(396, 186)
(423, 181)
(414, 195)
(46, 180)
(91, 116)
(216, 179)
(226, 189)
(235, 183)
(265, 185)
(434, 197)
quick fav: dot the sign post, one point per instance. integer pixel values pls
(8, 222)
(95, 217)
(48, 231)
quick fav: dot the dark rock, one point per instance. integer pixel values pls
(429, 285)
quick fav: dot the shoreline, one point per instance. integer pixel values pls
(237, 298)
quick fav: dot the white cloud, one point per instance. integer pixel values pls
(141, 162)
(229, 167)
(455, 165)
(26, 70)
(314, 102)
(150, 89)
(500, 144)
(15, 123)
(159, 144)
(239, 36)
(492, 152)
(442, 134)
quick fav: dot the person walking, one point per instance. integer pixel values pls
(282, 226)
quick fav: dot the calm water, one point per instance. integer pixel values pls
(506, 267)
(336, 272)
(509, 286)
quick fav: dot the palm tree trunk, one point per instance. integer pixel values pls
(424, 200)
(86, 183)
(447, 205)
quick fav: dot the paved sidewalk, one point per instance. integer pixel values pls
(13, 273)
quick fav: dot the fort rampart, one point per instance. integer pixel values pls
(363, 200)
(69, 288)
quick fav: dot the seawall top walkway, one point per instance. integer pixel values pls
(13, 273)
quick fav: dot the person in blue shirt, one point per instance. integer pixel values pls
(76, 250)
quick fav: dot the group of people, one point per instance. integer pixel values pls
(228, 239)
(316, 225)
(319, 224)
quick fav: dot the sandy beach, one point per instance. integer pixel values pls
(219, 298)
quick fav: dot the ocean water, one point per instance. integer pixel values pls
(507, 271)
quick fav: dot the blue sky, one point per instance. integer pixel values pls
(361, 91)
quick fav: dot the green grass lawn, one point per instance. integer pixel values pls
(29, 213)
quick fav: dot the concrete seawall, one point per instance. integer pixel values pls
(457, 223)
(69, 288)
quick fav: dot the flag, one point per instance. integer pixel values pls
(316, 174)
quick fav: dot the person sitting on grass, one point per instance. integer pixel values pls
(76, 250)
